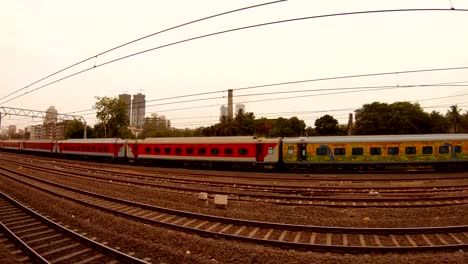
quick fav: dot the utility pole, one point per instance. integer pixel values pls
(230, 106)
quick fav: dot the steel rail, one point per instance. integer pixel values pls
(288, 199)
(69, 233)
(266, 225)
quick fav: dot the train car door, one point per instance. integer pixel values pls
(260, 156)
(302, 152)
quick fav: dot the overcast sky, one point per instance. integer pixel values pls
(41, 37)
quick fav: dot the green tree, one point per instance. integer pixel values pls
(244, 123)
(454, 117)
(263, 126)
(292, 127)
(371, 119)
(327, 125)
(311, 132)
(113, 117)
(397, 118)
(75, 129)
(439, 124)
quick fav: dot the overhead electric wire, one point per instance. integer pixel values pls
(138, 39)
(249, 27)
(284, 83)
(359, 88)
(293, 97)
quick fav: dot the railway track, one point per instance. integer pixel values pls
(308, 197)
(203, 175)
(289, 186)
(41, 240)
(301, 237)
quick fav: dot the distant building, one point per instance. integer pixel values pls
(51, 115)
(157, 121)
(51, 127)
(11, 130)
(223, 111)
(34, 132)
(128, 101)
(138, 110)
(240, 106)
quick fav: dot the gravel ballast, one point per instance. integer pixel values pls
(169, 246)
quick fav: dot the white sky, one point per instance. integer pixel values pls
(41, 37)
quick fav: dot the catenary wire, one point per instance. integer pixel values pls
(369, 88)
(138, 39)
(244, 28)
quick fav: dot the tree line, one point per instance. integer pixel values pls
(371, 119)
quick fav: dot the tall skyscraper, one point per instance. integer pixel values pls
(223, 111)
(138, 110)
(11, 130)
(128, 101)
(240, 106)
(51, 115)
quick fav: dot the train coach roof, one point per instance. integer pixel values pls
(93, 140)
(199, 140)
(40, 141)
(376, 138)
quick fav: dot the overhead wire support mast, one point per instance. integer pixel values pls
(138, 39)
(4, 111)
(249, 27)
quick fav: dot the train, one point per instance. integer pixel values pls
(309, 154)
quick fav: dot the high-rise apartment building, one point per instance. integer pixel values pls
(11, 130)
(51, 116)
(127, 99)
(238, 107)
(157, 121)
(223, 111)
(138, 110)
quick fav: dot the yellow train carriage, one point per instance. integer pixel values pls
(381, 149)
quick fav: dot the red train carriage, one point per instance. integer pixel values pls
(47, 146)
(99, 147)
(207, 149)
(12, 144)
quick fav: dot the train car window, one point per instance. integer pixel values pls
(458, 149)
(270, 150)
(82, 148)
(357, 151)
(321, 151)
(228, 151)
(290, 150)
(410, 150)
(339, 151)
(148, 150)
(189, 151)
(178, 151)
(215, 151)
(202, 151)
(443, 149)
(427, 150)
(87, 148)
(94, 148)
(243, 151)
(376, 151)
(157, 150)
(99, 149)
(167, 150)
(393, 150)
(106, 149)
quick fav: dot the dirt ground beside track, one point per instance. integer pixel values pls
(309, 215)
(169, 246)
